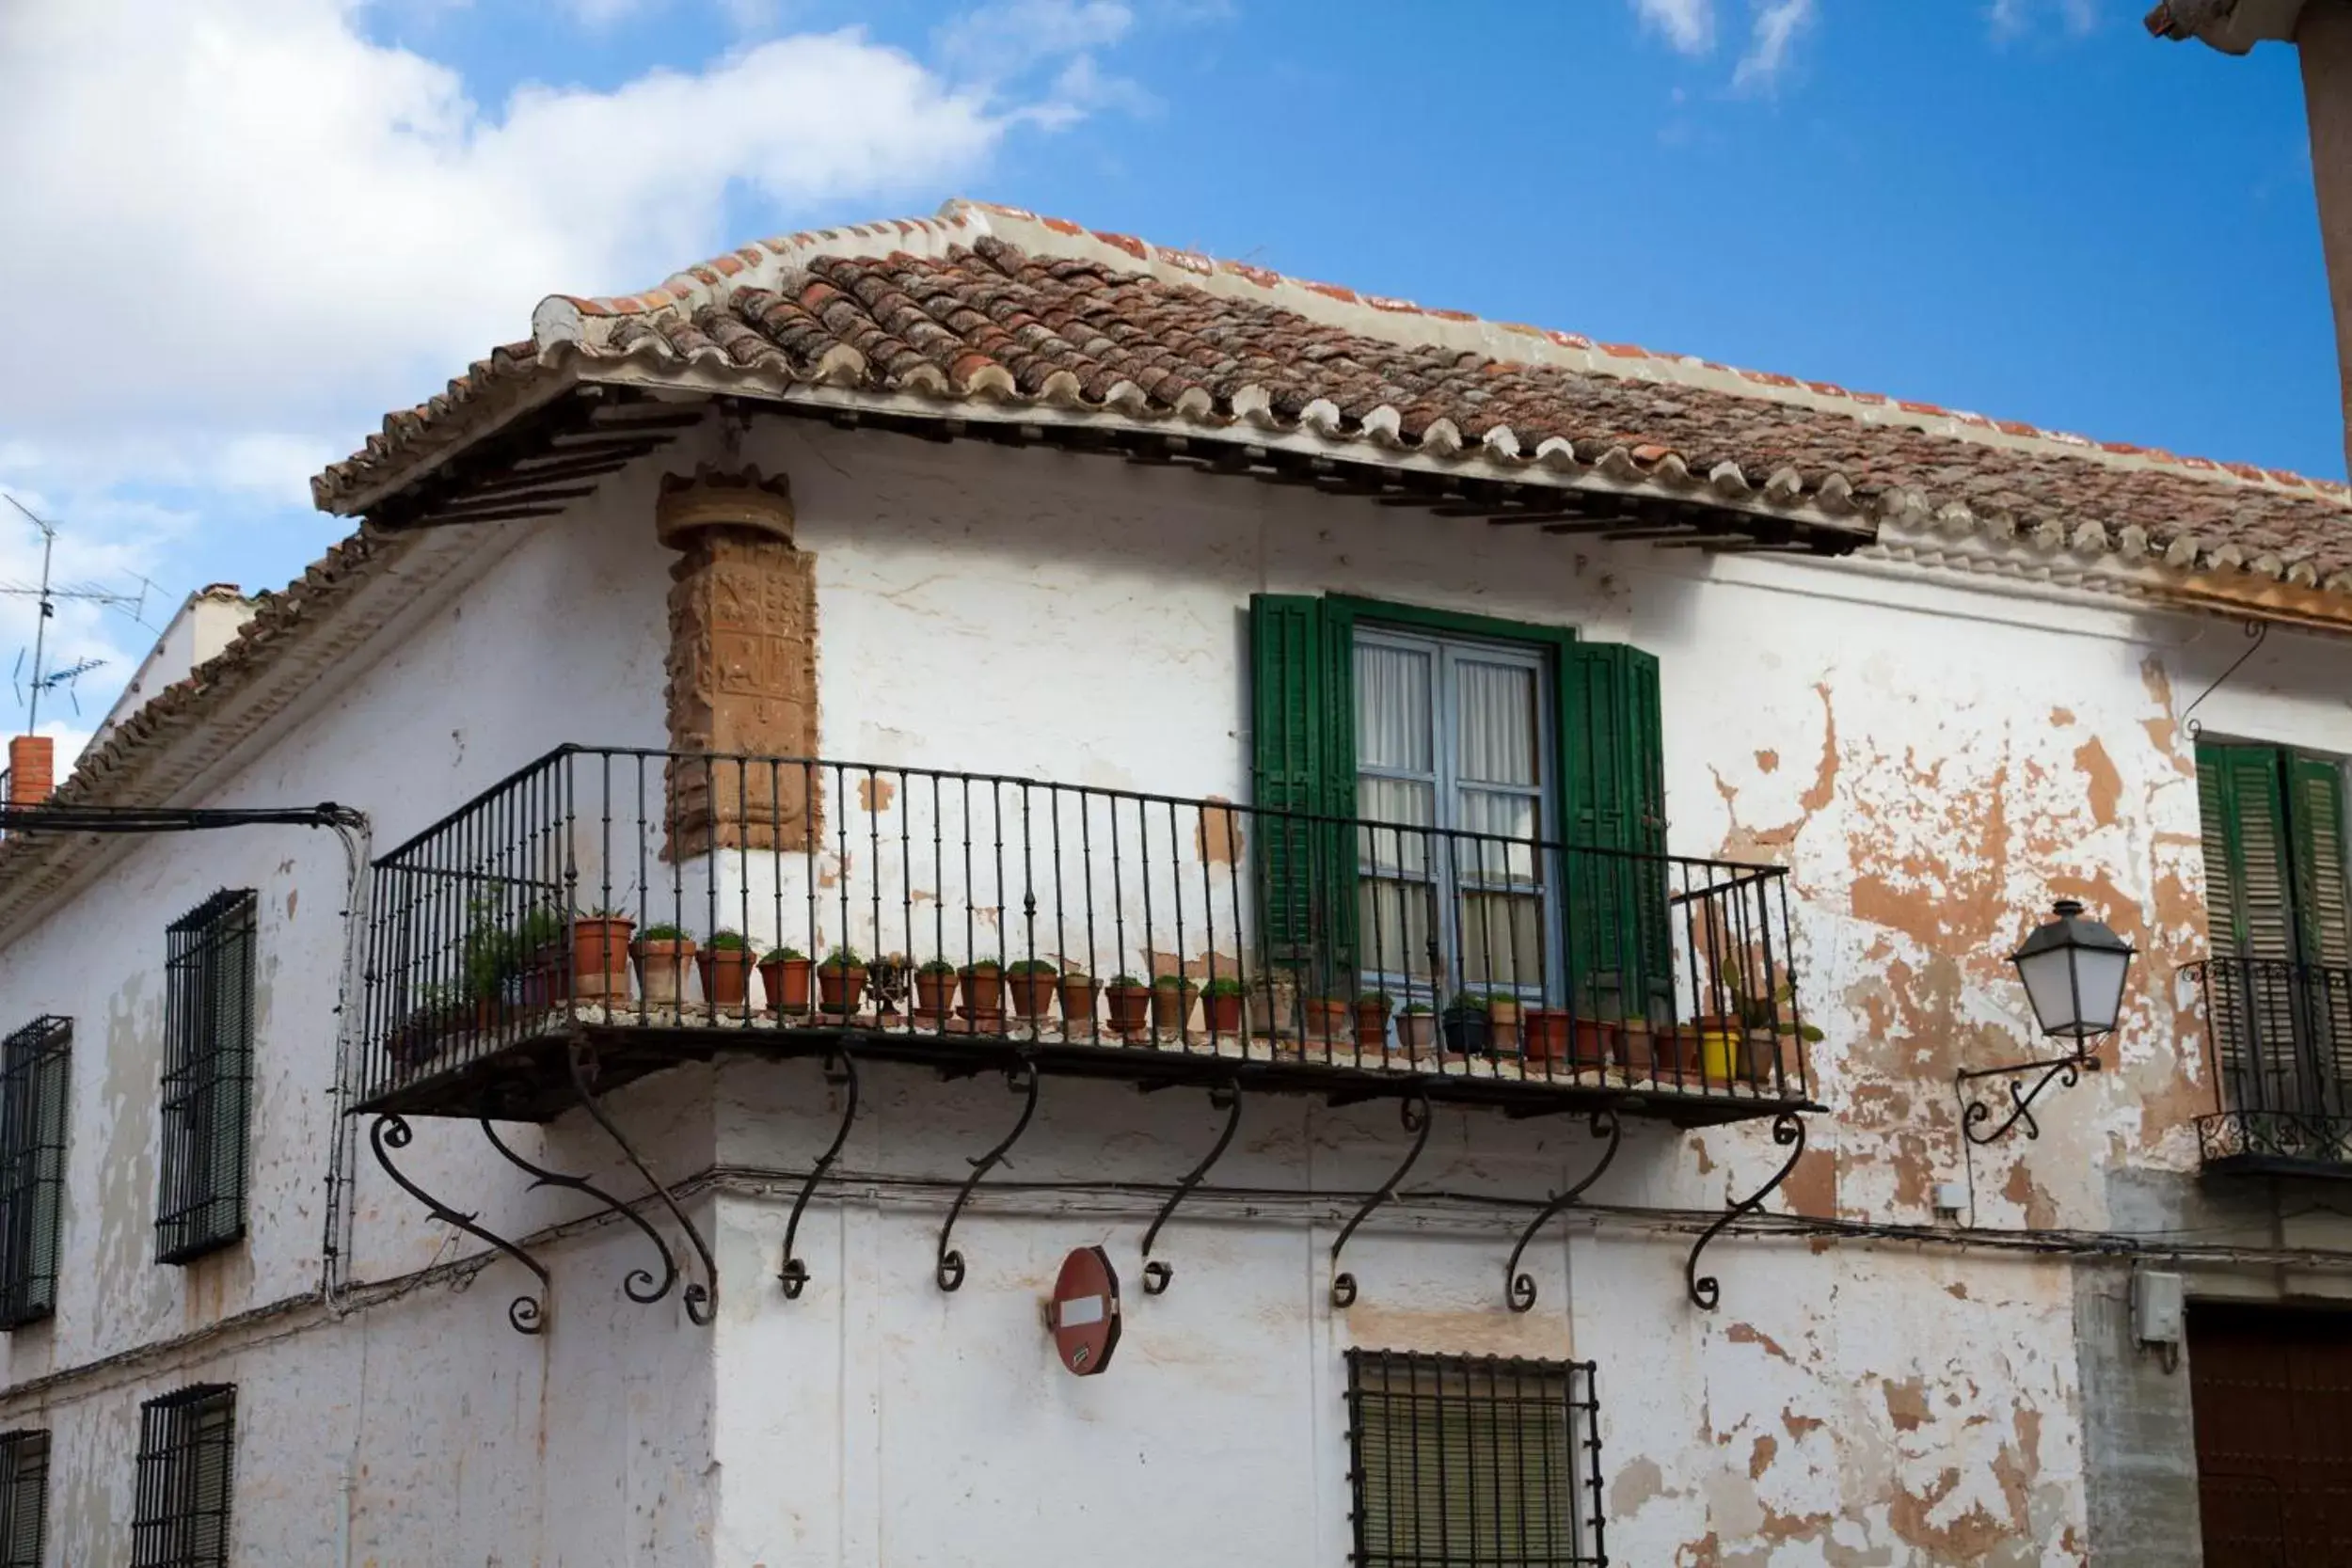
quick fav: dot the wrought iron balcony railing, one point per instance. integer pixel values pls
(674, 904)
(2281, 1052)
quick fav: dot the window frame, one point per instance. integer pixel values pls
(1446, 648)
(177, 1431)
(23, 1469)
(1579, 1499)
(206, 1107)
(36, 1084)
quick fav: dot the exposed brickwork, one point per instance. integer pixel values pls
(32, 769)
(742, 664)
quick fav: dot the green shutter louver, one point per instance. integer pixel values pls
(1612, 786)
(1303, 736)
(2242, 800)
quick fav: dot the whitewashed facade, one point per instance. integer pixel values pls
(1933, 754)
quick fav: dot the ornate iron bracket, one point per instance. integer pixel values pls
(640, 1286)
(1706, 1291)
(840, 1068)
(1224, 1097)
(1021, 1079)
(1413, 1110)
(527, 1313)
(1520, 1288)
(2063, 1070)
(700, 1299)
(2259, 632)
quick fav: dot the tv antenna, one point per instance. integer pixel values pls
(48, 593)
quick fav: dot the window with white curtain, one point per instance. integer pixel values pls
(1452, 737)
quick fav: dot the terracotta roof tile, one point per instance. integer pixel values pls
(951, 308)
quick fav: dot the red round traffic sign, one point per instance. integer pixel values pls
(1084, 1313)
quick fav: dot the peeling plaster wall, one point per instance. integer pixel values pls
(1934, 762)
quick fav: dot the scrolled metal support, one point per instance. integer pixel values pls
(527, 1313)
(700, 1298)
(1224, 1097)
(1518, 1289)
(640, 1286)
(2063, 1070)
(840, 1068)
(1706, 1291)
(1021, 1079)
(1413, 1110)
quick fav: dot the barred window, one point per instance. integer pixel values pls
(1462, 1461)
(187, 1454)
(32, 1166)
(24, 1497)
(208, 1077)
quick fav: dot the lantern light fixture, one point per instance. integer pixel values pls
(2073, 969)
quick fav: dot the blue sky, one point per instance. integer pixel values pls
(2026, 208)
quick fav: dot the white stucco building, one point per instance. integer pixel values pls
(979, 588)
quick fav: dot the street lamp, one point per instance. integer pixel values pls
(2073, 969)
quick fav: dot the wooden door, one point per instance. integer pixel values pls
(2271, 1388)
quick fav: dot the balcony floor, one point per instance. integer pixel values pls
(522, 1074)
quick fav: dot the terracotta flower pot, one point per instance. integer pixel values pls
(1326, 1019)
(1593, 1042)
(661, 969)
(600, 955)
(934, 992)
(840, 988)
(1502, 1025)
(1078, 993)
(1547, 1034)
(1224, 1011)
(1131, 1008)
(1417, 1032)
(983, 993)
(1171, 1006)
(1371, 1025)
(785, 981)
(726, 974)
(1032, 993)
(544, 981)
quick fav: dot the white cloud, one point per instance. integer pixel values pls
(2010, 18)
(1002, 39)
(1688, 25)
(1777, 25)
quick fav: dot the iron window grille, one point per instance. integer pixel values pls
(24, 1497)
(208, 1082)
(33, 1062)
(1462, 1461)
(188, 1458)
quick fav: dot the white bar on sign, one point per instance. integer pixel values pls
(1084, 1310)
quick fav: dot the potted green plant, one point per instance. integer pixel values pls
(725, 962)
(662, 954)
(1416, 1028)
(600, 954)
(419, 1035)
(983, 990)
(841, 981)
(1130, 1004)
(783, 973)
(1771, 1036)
(934, 989)
(1222, 1000)
(1464, 1024)
(1372, 1020)
(1503, 1012)
(1031, 983)
(1079, 992)
(1172, 1003)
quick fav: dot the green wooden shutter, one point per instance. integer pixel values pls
(1303, 734)
(2241, 795)
(1612, 786)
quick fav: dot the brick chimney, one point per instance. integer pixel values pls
(32, 769)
